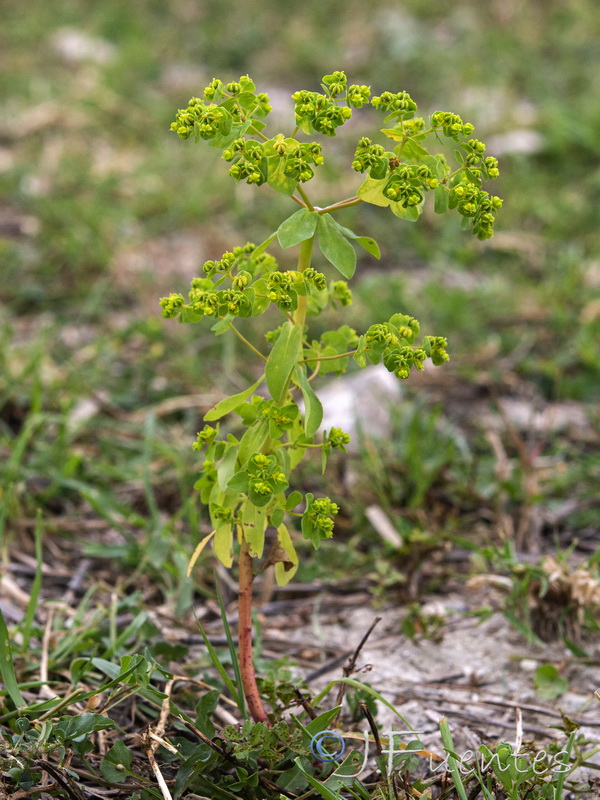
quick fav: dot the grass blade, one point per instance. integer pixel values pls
(452, 762)
(325, 792)
(7, 668)
(36, 583)
(221, 669)
(237, 696)
(560, 781)
(241, 700)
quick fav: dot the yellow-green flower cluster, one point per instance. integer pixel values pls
(204, 437)
(393, 343)
(477, 205)
(340, 292)
(451, 125)
(318, 519)
(327, 111)
(396, 104)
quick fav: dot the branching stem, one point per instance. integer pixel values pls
(347, 203)
(317, 359)
(305, 198)
(243, 339)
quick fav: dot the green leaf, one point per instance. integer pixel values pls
(371, 192)
(396, 134)
(441, 200)
(118, 756)
(410, 213)
(239, 482)
(78, 727)
(335, 246)
(278, 180)
(369, 244)
(322, 722)
(222, 544)
(294, 499)
(263, 245)
(379, 169)
(221, 326)
(238, 693)
(313, 409)
(283, 457)
(254, 522)
(325, 792)
(361, 352)
(253, 440)
(187, 315)
(229, 404)
(282, 359)
(412, 150)
(227, 467)
(205, 708)
(549, 684)
(7, 669)
(297, 228)
(332, 343)
(222, 139)
(277, 517)
(285, 571)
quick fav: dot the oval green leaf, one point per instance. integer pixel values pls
(254, 523)
(297, 228)
(335, 246)
(222, 544)
(410, 213)
(441, 200)
(369, 244)
(371, 192)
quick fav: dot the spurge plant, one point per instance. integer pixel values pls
(245, 480)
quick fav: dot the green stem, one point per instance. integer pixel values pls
(305, 197)
(245, 578)
(327, 358)
(246, 342)
(347, 203)
(401, 145)
(258, 133)
(303, 263)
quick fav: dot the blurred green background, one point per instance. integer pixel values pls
(103, 210)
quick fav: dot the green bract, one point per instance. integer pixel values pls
(245, 477)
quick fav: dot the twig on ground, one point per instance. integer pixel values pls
(69, 787)
(305, 704)
(148, 746)
(351, 665)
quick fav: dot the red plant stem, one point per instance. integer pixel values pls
(249, 686)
